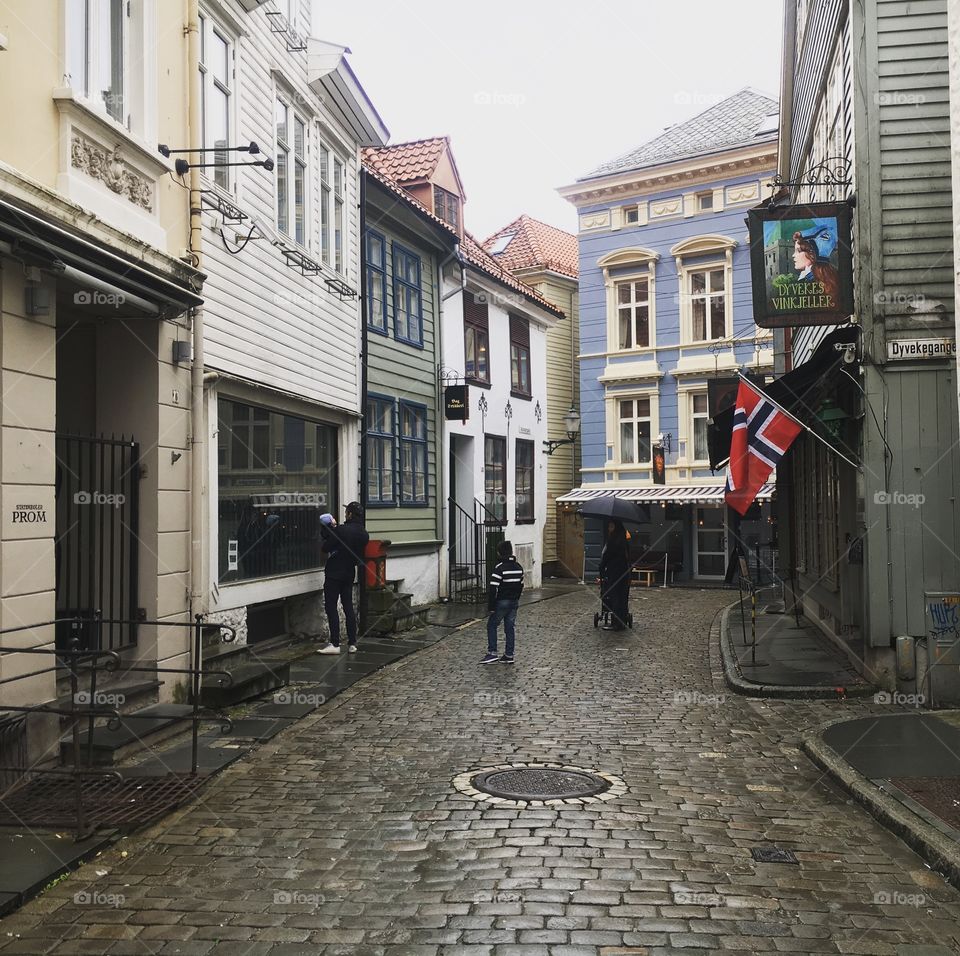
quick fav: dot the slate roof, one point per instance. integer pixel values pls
(735, 121)
(536, 244)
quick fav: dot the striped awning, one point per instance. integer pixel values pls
(665, 494)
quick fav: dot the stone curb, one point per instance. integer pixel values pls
(737, 682)
(942, 853)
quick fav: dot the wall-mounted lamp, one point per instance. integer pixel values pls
(571, 423)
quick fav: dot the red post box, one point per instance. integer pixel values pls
(375, 558)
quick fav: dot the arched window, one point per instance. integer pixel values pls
(705, 275)
(630, 277)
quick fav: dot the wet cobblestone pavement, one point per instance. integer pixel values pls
(346, 835)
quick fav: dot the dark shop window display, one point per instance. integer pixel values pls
(277, 475)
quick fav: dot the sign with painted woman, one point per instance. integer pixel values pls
(801, 265)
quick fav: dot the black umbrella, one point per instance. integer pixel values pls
(614, 509)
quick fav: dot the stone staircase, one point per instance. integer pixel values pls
(390, 610)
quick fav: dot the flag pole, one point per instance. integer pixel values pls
(794, 418)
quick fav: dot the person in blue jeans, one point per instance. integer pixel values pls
(503, 599)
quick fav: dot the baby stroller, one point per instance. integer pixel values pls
(605, 615)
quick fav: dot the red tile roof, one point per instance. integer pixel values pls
(411, 163)
(408, 162)
(412, 201)
(476, 255)
(533, 243)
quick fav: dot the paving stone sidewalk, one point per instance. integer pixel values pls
(344, 835)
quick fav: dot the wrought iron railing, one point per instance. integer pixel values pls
(97, 545)
(472, 550)
(83, 708)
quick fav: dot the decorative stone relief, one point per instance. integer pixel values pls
(748, 192)
(596, 220)
(666, 207)
(111, 170)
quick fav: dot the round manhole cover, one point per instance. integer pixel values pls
(540, 783)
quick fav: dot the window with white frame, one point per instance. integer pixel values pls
(324, 202)
(631, 215)
(705, 202)
(698, 425)
(98, 54)
(216, 53)
(339, 182)
(707, 295)
(291, 169)
(633, 313)
(634, 432)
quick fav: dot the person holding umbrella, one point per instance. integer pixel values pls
(615, 576)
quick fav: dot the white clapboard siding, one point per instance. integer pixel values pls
(264, 321)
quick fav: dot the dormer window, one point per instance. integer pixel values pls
(446, 206)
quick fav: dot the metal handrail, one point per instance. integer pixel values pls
(89, 663)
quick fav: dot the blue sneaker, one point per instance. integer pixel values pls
(506, 659)
(490, 658)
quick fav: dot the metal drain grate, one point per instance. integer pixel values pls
(540, 783)
(50, 801)
(773, 854)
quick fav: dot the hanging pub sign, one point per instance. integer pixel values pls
(456, 402)
(800, 264)
(659, 466)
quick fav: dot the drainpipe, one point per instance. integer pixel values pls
(197, 411)
(442, 518)
(363, 389)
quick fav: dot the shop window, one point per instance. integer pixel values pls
(413, 454)
(495, 476)
(277, 474)
(524, 481)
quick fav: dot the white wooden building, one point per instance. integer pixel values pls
(282, 316)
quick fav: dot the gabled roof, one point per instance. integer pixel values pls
(742, 119)
(410, 200)
(413, 162)
(529, 243)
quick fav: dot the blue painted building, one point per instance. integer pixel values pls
(665, 306)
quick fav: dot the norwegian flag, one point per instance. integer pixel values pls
(762, 433)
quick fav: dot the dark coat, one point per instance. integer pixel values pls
(344, 546)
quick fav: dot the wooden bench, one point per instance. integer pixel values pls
(647, 575)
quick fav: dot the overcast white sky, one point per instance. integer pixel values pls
(535, 93)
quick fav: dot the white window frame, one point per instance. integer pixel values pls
(637, 263)
(615, 460)
(700, 254)
(634, 303)
(688, 296)
(294, 163)
(93, 58)
(210, 25)
(686, 395)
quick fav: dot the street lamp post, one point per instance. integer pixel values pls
(571, 423)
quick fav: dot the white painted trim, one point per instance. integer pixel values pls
(686, 305)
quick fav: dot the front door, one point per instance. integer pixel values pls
(570, 541)
(710, 543)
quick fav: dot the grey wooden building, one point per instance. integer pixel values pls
(865, 91)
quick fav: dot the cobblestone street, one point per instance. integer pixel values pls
(345, 834)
